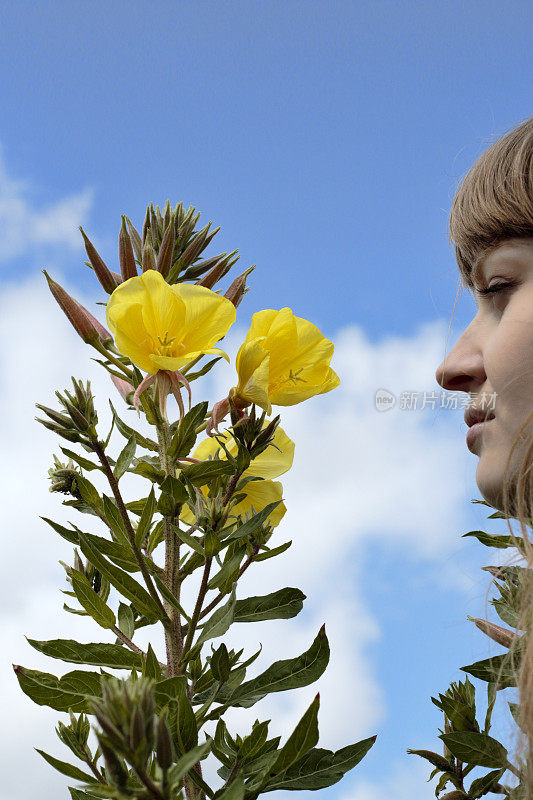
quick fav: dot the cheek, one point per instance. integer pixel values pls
(509, 362)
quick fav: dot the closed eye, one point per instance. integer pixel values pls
(498, 287)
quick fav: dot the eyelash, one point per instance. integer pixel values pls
(498, 287)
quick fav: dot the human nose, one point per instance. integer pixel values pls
(463, 369)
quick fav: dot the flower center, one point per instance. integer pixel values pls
(166, 347)
(292, 377)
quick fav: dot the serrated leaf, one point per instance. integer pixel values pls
(91, 601)
(475, 748)
(125, 457)
(283, 604)
(99, 654)
(65, 768)
(122, 581)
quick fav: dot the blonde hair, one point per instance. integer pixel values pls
(494, 203)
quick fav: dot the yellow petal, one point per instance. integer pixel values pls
(272, 463)
(131, 337)
(209, 316)
(253, 370)
(260, 494)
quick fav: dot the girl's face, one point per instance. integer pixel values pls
(496, 348)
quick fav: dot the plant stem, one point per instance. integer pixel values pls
(219, 596)
(129, 529)
(150, 785)
(92, 766)
(133, 647)
(173, 634)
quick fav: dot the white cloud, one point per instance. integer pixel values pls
(405, 781)
(358, 474)
(26, 225)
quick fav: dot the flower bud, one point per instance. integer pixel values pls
(495, 632)
(104, 275)
(164, 257)
(118, 776)
(238, 289)
(125, 253)
(164, 749)
(222, 265)
(135, 239)
(125, 389)
(103, 333)
(74, 311)
(148, 255)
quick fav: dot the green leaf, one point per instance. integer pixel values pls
(283, 604)
(181, 717)
(89, 494)
(173, 495)
(143, 526)
(185, 437)
(204, 472)
(83, 462)
(302, 739)
(437, 760)
(290, 673)
(187, 762)
(66, 769)
(483, 785)
(493, 540)
(498, 669)
(274, 552)
(77, 794)
(91, 601)
(70, 691)
(475, 748)
(193, 543)
(320, 768)
(191, 376)
(125, 457)
(126, 620)
(227, 574)
(127, 432)
(115, 521)
(167, 594)
(99, 654)
(219, 622)
(254, 522)
(151, 668)
(125, 584)
(235, 791)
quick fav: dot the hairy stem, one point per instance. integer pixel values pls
(173, 634)
(129, 529)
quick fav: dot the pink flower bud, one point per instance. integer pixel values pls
(238, 289)
(75, 313)
(124, 388)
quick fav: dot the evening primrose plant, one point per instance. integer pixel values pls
(210, 510)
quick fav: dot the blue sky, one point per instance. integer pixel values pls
(326, 139)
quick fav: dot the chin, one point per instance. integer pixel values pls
(490, 484)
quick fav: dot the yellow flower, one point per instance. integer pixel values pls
(271, 463)
(162, 327)
(283, 360)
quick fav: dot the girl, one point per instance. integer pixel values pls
(491, 225)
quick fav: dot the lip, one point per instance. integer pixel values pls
(473, 433)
